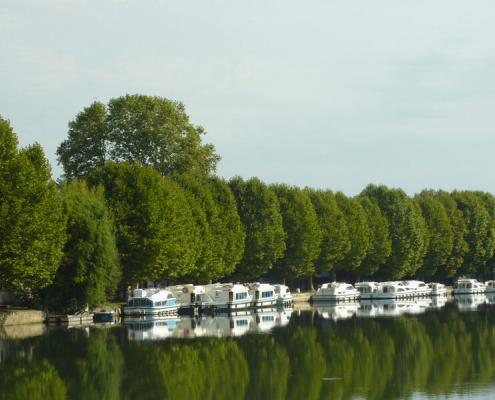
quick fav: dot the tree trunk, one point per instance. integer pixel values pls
(310, 283)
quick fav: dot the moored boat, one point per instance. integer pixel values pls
(225, 296)
(366, 289)
(336, 291)
(188, 296)
(437, 289)
(417, 288)
(490, 286)
(284, 296)
(151, 302)
(262, 295)
(468, 286)
(393, 290)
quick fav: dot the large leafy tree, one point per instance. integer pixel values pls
(155, 229)
(259, 211)
(153, 131)
(222, 240)
(359, 234)
(480, 232)
(32, 223)
(380, 244)
(303, 234)
(231, 232)
(440, 233)
(407, 230)
(90, 270)
(459, 231)
(335, 234)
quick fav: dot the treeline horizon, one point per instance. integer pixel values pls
(139, 201)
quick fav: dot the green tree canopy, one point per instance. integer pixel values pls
(380, 245)
(303, 234)
(259, 211)
(222, 233)
(335, 234)
(155, 228)
(152, 131)
(90, 270)
(359, 234)
(32, 224)
(459, 230)
(440, 233)
(407, 230)
(480, 232)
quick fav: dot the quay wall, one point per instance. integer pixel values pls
(20, 316)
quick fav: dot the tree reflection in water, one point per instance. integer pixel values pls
(435, 353)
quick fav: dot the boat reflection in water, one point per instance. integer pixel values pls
(470, 302)
(337, 311)
(223, 325)
(394, 308)
(490, 298)
(151, 327)
(377, 308)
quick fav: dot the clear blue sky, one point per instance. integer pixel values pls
(325, 93)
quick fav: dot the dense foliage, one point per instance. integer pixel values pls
(32, 221)
(152, 131)
(146, 207)
(90, 270)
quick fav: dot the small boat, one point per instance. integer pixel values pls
(104, 315)
(284, 296)
(366, 290)
(262, 295)
(490, 286)
(393, 290)
(336, 291)
(437, 289)
(468, 286)
(225, 296)
(151, 302)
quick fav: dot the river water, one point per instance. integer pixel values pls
(407, 350)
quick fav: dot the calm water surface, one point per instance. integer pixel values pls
(407, 350)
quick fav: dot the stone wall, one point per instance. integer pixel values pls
(20, 316)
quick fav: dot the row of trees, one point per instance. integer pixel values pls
(440, 354)
(140, 202)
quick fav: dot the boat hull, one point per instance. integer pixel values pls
(151, 310)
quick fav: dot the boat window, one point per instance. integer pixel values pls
(240, 296)
(267, 294)
(140, 303)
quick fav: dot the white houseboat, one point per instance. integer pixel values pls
(490, 286)
(262, 295)
(437, 289)
(225, 296)
(336, 291)
(393, 290)
(151, 302)
(188, 295)
(366, 290)
(468, 286)
(417, 288)
(284, 296)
